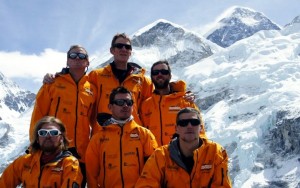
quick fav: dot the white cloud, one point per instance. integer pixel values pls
(24, 68)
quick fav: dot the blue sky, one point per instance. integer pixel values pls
(30, 26)
(35, 34)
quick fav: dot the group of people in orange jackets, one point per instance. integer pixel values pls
(115, 127)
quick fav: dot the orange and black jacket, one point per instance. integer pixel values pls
(116, 155)
(158, 113)
(165, 168)
(105, 81)
(74, 104)
(63, 172)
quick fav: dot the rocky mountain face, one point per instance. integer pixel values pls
(239, 24)
(180, 47)
(13, 100)
(173, 43)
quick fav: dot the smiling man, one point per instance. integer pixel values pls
(72, 99)
(120, 72)
(158, 113)
(189, 160)
(116, 155)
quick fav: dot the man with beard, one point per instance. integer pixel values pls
(49, 164)
(158, 113)
(72, 99)
(189, 160)
(116, 154)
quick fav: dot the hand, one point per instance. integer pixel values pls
(189, 96)
(48, 78)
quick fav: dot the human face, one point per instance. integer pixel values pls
(188, 133)
(121, 112)
(160, 81)
(48, 143)
(77, 63)
(121, 55)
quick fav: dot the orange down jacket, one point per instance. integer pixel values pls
(136, 82)
(158, 113)
(26, 170)
(115, 156)
(165, 168)
(74, 104)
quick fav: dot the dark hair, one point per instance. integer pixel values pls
(35, 146)
(118, 35)
(116, 91)
(189, 110)
(161, 62)
(77, 46)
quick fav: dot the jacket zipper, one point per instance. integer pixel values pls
(160, 116)
(121, 158)
(104, 170)
(222, 176)
(76, 116)
(138, 156)
(42, 168)
(58, 101)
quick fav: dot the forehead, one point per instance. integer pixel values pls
(122, 40)
(123, 96)
(78, 50)
(50, 126)
(190, 115)
(160, 66)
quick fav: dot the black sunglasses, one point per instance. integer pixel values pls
(185, 122)
(74, 55)
(162, 71)
(120, 46)
(121, 102)
(51, 132)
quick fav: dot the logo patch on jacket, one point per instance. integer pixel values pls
(134, 135)
(206, 167)
(89, 91)
(60, 86)
(57, 169)
(174, 108)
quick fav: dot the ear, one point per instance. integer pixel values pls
(110, 107)
(111, 50)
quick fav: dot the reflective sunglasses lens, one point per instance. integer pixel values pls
(75, 55)
(82, 56)
(129, 102)
(72, 55)
(121, 102)
(54, 132)
(42, 132)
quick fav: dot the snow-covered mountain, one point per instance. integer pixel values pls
(13, 99)
(14, 122)
(292, 27)
(166, 40)
(249, 95)
(239, 23)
